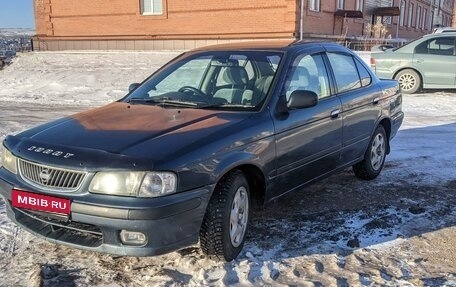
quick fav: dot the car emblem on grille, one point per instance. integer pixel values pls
(45, 175)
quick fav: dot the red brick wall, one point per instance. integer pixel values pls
(186, 23)
(43, 17)
(181, 19)
(324, 22)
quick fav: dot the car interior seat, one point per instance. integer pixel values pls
(237, 78)
(261, 88)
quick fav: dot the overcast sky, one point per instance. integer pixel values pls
(16, 14)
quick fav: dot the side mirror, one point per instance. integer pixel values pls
(301, 99)
(133, 86)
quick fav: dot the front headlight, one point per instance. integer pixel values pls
(116, 183)
(9, 160)
(140, 184)
(158, 184)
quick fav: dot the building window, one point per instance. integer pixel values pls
(424, 24)
(410, 15)
(418, 17)
(389, 19)
(151, 7)
(359, 5)
(402, 16)
(340, 4)
(314, 5)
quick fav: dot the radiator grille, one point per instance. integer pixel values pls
(50, 177)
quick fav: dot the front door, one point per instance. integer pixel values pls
(308, 140)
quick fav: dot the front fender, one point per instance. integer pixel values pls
(260, 154)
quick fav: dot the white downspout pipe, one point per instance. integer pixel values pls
(301, 22)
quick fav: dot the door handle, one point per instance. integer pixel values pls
(335, 114)
(376, 100)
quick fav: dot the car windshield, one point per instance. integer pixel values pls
(233, 80)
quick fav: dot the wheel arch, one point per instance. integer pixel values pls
(256, 179)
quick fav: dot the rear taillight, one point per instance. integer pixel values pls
(372, 63)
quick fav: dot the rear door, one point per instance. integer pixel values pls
(360, 101)
(436, 60)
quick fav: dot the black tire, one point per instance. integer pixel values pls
(374, 158)
(215, 238)
(409, 81)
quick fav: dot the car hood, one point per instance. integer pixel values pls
(138, 131)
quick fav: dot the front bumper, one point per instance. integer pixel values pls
(169, 223)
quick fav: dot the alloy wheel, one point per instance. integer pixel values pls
(407, 82)
(239, 216)
(378, 150)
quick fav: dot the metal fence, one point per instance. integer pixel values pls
(17, 44)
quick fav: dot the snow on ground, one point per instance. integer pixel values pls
(88, 79)
(398, 230)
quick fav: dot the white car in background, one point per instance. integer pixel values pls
(443, 30)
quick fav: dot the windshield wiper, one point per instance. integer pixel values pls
(164, 102)
(142, 100)
(224, 105)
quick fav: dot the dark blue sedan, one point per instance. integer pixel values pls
(188, 153)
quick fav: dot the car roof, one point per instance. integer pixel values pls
(444, 30)
(273, 45)
(444, 34)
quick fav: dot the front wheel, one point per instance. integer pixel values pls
(227, 217)
(409, 81)
(374, 158)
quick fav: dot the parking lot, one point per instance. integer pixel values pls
(398, 230)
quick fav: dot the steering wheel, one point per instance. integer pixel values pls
(197, 94)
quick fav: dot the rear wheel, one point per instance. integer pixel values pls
(409, 80)
(227, 218)
(374, 158)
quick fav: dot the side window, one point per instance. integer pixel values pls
(308, 73)
(439, 46)
(366, 79)
(345, 72)
(442, 46)
(422, 48)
